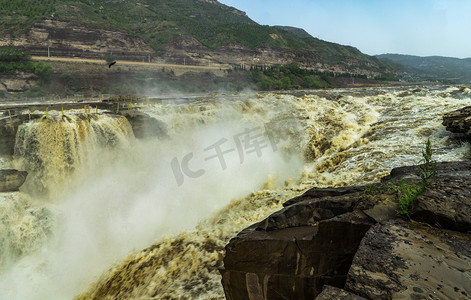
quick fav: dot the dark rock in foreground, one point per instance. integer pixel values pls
(404, 260)
(311, 243)
(11, 180)
(308, 212)
(324, 192)
(456, 168)
(445, 204)
(294, 258)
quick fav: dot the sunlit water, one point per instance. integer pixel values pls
(96, 196)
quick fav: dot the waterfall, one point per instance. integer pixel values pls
(104, 215)
(51, 149)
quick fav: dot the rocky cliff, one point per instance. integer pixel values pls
(347, 243)
(65, 38)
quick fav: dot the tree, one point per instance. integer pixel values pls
(265, 84)
(43, 71)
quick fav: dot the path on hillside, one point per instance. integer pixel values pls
(126, 62)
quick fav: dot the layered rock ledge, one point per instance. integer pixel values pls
(347, 243)
(459, 121)
(11, 180)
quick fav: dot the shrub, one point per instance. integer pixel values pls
(265, 84)
(10, 54)
(408, 192)
(43, 71)
(427, 169)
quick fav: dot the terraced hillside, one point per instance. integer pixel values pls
(199, 32)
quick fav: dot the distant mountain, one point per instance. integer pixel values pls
(200, 32)
(431, 68)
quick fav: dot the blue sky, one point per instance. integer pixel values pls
(416, 27)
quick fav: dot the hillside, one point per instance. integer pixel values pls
(432, 68)
(198, 32)
(299, 32)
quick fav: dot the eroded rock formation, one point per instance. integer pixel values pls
(68, 39)
(11, 180)
(459, 121)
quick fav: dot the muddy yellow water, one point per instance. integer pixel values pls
(106, 216)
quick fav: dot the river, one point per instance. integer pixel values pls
(104, 215)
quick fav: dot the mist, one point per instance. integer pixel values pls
(121, 199)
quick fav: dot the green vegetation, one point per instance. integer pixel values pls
(371, 190)
(43, 71)
(291, 76)
(159, 22)
(18, 15)
(388, 77)
(10, 54)
(13, 60)
(428, 166)
(409, 191)
(286, 77)
(434, 68)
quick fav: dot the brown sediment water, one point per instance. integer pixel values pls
(110, 195)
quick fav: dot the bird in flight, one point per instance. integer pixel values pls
(112, 63)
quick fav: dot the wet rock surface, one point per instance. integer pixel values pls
(330, 292)
(456, 168)
(324, 192)
(11, 180)
(459, 121)
(314, 239)
(308, 212)
(145, 126)
(404, 260)
(446, 203)
(8, 131)
(294, 258)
